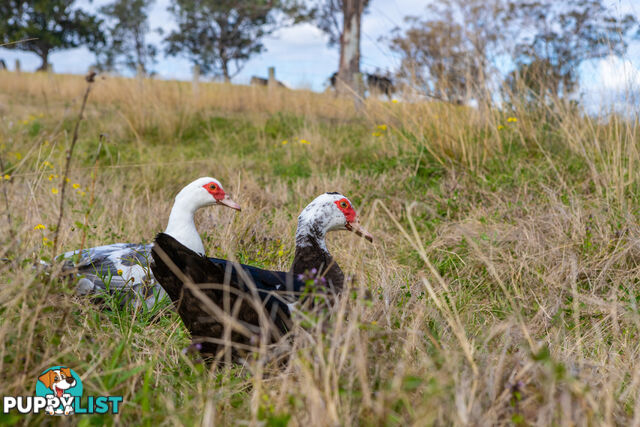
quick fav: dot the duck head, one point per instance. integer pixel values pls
(328, 212)
(200, 193)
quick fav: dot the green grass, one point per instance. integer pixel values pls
(506, 293)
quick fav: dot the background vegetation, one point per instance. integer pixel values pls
(502, 287)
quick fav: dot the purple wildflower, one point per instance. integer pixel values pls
(192, 348)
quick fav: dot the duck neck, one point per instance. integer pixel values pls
(310, 234)
(182, 227)
(311, 253)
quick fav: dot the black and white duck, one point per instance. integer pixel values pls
(127, 264)
(210, 293)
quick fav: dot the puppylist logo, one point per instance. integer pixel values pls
(59, 392)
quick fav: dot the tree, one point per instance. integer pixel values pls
(341, 20)
(126, 36)
(221, 35)
(450, 54)
(559, 38)
(52, 24)
(436, 59)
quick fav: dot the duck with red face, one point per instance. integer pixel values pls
(251, 289)
(125, 266)
(328, 212)
(200, 193)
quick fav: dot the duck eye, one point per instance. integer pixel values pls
(212, 186)
(343, 205)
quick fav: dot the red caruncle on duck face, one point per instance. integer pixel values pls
(346, 208)
(215, 190)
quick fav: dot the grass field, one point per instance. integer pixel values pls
(502, 288)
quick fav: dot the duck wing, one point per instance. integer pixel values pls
(225, 303)
(120, 268)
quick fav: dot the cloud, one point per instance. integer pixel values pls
(617, 74)
(303, 59)
(622, 7)
(611, 83)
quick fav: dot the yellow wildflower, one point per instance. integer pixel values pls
(76, 186)
(304, 141)
(47, 241)
(39, 227)
(500, 127)
(54, 190)
(285, 142)
(119, 272)
(18, 155)
(82, 194)
(280, 252)
(376, 133)
(395, 101)
(512, 120)
(47, 163)
(7, 176)
(67, 179)
(374, 323)
(381, 127)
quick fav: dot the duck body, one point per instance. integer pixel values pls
(225, 304)
(244, 292)
(123, 269)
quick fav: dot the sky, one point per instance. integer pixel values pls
(303, 60)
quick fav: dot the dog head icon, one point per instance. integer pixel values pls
(58, 380)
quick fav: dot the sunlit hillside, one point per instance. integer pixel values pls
(501, 287)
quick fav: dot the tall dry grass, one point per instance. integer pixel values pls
(502, 287)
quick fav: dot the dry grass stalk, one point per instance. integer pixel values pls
(90, 79)
(506, 294)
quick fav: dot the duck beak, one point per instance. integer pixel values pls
(357, 228)
(229, 203)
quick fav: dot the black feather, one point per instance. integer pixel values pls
(239, 290)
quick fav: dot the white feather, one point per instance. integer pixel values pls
(127, 264)
(318, 218)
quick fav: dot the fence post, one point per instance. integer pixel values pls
(17, 69)
(196, 78)
(358, 88)
(272, 77)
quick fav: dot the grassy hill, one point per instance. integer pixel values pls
(502, 286)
